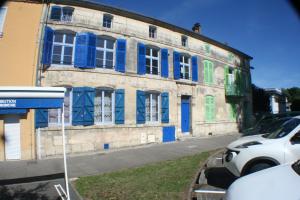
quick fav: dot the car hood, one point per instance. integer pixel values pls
(246, 139)
(275, 183)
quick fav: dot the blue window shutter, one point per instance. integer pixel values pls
(47, 46)
(141, 57)
(91, 55)
(77, 107)
(165, 107)
(194, 68)
(121, 55)
(89, 97)
(140, 107)
(81, 50)
(164, 63)
(119, 106)
(56, 12)
(176, 62)
(41, 118)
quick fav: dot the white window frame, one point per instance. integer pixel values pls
(106, 16)
(59, 112)
(105, 49)
(63, 44)
(3, 21)
(152, 32)
(183, 65)
(151, 108)
(231, 77)
(102, 107)
(151, 57)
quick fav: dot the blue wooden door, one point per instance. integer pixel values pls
(185, 115)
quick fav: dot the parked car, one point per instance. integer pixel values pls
(266, 126)
(277, 183)
(253, 153)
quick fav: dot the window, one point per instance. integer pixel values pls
(184, 41)
(231, 78)
(54, 115)
(152, 31)
(185, 67)
(209, 108)
(105, 52)
(63, 48)
(104, 106)
(208, 72)
(207, 48)
(152, 107)
(3, 11)
(63, 14)
(152, 60)
(232, 111)
(107, 21)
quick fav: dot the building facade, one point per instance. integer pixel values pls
(278, 101)
(20, 31)
(133, 80)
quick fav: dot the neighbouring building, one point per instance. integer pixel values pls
(278, 101)
(20, 32)
(132, 79)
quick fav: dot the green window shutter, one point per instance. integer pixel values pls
(232, 111)
(212, 108)
(205, 71)
(207, 108)
(211, 73)
(226, 72)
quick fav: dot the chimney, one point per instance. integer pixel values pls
(197, 28)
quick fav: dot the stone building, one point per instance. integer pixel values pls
(134, 80)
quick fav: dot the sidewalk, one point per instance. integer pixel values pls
(113, 160)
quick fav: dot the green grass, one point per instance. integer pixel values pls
(163, 180)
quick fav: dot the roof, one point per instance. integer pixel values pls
(136, 16)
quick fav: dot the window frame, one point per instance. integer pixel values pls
(152, 32)
(151, 57)
(103, 122)
(184, 41)
(2, 23)
(150, 95)
(104, 22)
(231, 76)
(63, 45)
(182, 64)
(59, 110)
(105, 50)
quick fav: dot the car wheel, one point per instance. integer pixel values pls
(257, 167)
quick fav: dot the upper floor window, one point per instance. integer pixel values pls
(152, 31)
(208, 72)
(231, 78)
(107, 20)
(105, 52)
(104, 108)
(152, 107)
(185, 67)
(54, 115)
(184, 41)
(61, 13)
(63, 48)
(152, 60)
(3, 11)
(207, 48)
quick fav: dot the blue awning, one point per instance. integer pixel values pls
(13, 111)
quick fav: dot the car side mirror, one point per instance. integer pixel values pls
(295, 139)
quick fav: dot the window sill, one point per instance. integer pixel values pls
(186, 82)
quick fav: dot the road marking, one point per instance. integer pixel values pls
(60, 190)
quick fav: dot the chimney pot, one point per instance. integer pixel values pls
(197, 28)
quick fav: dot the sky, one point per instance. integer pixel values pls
(267, 30)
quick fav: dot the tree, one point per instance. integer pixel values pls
(293, 95)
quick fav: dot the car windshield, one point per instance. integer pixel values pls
(274, 125)
(283, 130)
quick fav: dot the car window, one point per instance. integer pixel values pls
(274, 125)
(283, 130)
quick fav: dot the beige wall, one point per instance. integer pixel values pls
(18, 58)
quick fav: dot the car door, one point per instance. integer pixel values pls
(292, 150)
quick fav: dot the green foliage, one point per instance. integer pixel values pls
(293, 95)
(163, 180)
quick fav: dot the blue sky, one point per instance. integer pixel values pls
(267, 30)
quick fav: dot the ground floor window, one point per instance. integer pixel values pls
(104, 106)
(152, 107)
(209, 108)
(232, 111)
(54, 115)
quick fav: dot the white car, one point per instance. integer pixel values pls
(277, 183)
(253, 153)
